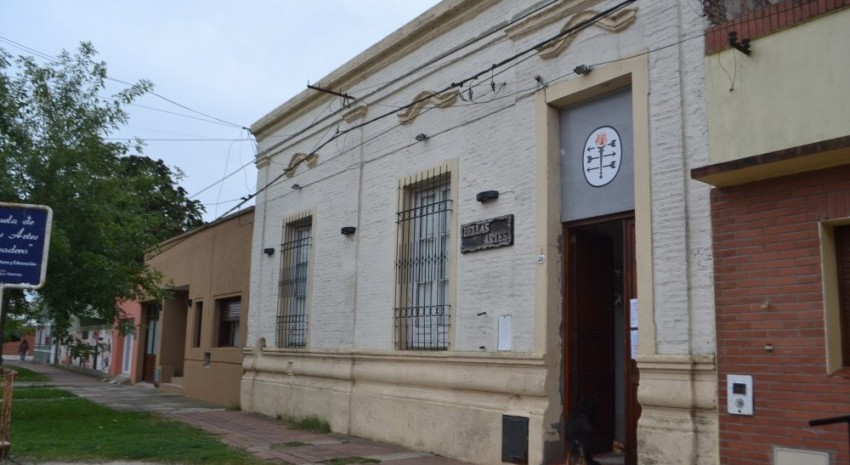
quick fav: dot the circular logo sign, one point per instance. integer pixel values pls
(602, 156)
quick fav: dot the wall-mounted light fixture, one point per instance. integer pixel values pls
(348, 230)
(269, 251)
(296, 186)
(421, 136)
(582, 70)
(486, 196)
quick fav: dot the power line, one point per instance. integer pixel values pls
(430, 63)
(572, 30)
(53, 59)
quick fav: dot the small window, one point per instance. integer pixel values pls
(199, 320)
(842, 258)
(229, 312)
(292, 313)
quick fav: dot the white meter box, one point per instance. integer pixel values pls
(739, 394)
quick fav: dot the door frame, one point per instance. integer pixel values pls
(629, 375)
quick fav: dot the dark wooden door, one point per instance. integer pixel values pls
(632, 375)
(591, 319)
(151, 339)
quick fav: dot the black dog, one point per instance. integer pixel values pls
(580, 432)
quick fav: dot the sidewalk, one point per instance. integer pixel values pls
(263, 436)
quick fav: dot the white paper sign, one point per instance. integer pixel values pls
(633, 313)
(505, 334)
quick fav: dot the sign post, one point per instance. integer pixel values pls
(24, 241)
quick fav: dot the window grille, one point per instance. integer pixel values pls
(292, 314)
(422, 314)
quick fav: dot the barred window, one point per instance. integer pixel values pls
(292, 314)
(422, 313)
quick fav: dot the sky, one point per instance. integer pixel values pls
(220, 66)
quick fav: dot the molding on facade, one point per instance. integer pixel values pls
(310, 160)
(579, 10)
(547, 17)
(615, 23)
(466, 391)
(356, 114)
(443, 17)
(422, 99)
(678, 398)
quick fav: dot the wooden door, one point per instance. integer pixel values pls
(151, 339)
(632, 375)
(591, 327)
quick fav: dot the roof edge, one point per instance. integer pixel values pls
(440, 18)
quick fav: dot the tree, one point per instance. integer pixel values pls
(109, 207)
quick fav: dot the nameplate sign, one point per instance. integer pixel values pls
(24, 242)
(487, 234)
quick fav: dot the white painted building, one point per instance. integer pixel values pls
(484, 231)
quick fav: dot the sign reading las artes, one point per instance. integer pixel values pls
(487, 234)
(24, 242)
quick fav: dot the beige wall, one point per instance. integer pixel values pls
(207, 264)
(784, 93)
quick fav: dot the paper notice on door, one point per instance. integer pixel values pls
(634, 339)
(633, 313)
(505, 334)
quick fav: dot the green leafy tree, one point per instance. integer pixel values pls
(109, 207)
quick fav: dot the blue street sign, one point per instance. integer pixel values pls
(24, 242)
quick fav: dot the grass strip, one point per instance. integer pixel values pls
(26, 375)
(53, 424)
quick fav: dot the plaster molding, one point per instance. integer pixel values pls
(357, 113)
(311, 160)
(615, 23)
(440, 19)
(444, 100)
(547, 17)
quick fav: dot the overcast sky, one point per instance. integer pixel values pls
(232, 60)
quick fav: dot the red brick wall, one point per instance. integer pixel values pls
(767, 249)
(768, 20)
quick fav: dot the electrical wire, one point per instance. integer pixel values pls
(572, 30)
(54, 59)
(522, 93)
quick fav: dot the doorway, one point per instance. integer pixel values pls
(601, 332)
(151, 342)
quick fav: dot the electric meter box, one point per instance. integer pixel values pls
(739, 394)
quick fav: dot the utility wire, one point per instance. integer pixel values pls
(430, 63)
(572, 30)
(53, 59)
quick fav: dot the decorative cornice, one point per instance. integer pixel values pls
(356, 114)
(443, 17)
(615, 23)
(444, 100)
(547, 17)
(299, 158)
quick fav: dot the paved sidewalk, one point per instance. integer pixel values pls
(265, 437)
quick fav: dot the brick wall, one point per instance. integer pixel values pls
(767, 20)
(767, 249)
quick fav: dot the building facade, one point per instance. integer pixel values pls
(191, 342)
(490, 220)
(779, 135)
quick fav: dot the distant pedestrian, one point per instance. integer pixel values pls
(23, 349)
